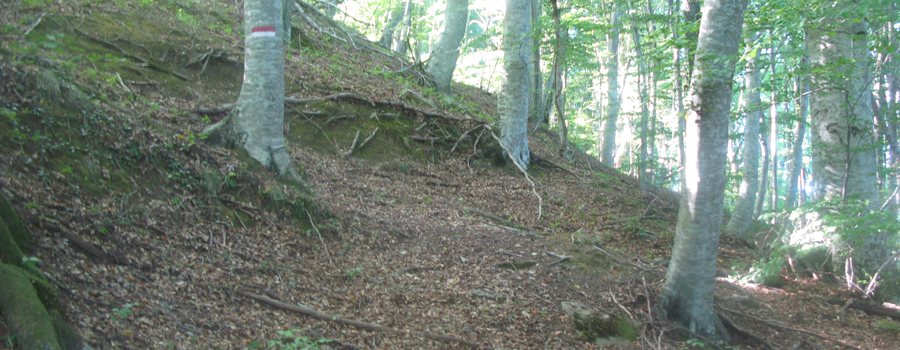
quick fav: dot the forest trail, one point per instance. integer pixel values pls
(156, 239)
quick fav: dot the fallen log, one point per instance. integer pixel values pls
(871, 308)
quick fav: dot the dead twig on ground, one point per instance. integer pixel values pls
(358, 324)
(320, 237)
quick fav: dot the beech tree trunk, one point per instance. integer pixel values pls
(797, 151)
(559, 67)
(607, 154)
(515, 90)
(742, 215)
(256, 124)
(687, 294)
(843, 157)
(537, 103)
(442, 61)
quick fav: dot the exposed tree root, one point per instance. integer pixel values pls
(358, 324)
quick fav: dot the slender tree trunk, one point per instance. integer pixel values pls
(612, 110)
(537, 110)
(396, 15)
(515, 92)
(742, 216)
(764, 179)
(691, 11)
(442, 61)
(687, 294)
(802, 87)
(402, 46)
(773, 131)
(559, 65)
(642, 92)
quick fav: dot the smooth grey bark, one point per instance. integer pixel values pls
(537, 103)
(690, 10)
(687, 294)
(559, 86)
(643, 133)
(396, 15)
(257, 122)
(515, 89)
(773, 130)
(612, 76)
(840, 111)
(442, 61)
(843, 157)
(802, 86)
(742, 215)
(764, 178)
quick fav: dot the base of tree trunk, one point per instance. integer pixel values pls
(222, 134)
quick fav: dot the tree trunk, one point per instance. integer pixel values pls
(537, 103)
(764, 179)
(799, 132)
(443, 57)
(843, 159)
(773, 131)
(387, 36)
(559, 63)
(687, 295)
(742, 215)
(612, 110)
(256, 125)
(515, 92)
(642, 93)
(402, 46)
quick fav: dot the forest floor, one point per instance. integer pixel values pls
(160, 241)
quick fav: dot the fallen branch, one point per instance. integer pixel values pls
(867, 307)
(777, 325)
(358, 324)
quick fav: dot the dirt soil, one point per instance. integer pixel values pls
(155, 238)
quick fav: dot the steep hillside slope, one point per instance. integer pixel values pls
(159, 241)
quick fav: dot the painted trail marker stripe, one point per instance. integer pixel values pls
(262, 32)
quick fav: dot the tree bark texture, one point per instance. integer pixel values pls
(687, 295)
(257, 123)
(843, 156)
(537, 103)
(742, 215)
(612, 76)
(515, 94)
(559, 67)
(442, 61)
